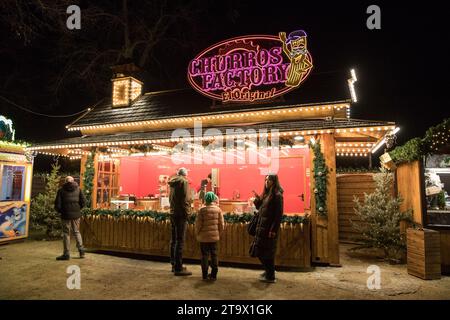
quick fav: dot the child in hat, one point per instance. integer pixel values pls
(208, 228)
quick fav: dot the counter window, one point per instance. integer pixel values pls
(12, 183)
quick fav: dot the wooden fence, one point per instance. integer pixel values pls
(144, 235)
(349, 186)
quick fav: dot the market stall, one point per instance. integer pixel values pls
(16, 168)
(289, 121)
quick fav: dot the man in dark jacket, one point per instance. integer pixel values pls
(180, 206)
(69, 201)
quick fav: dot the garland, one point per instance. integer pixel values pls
(88, 179)
(163, 216)
(435, 138)
(320, 179)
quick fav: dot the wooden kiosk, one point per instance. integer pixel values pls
(134, 138)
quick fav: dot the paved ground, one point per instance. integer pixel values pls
(29, 271)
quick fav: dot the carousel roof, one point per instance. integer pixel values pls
(320, 88)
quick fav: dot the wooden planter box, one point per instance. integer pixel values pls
(144, 235)
(424, 253)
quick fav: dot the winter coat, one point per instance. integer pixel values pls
(179, 197)
(270, 212)
(69, 201)
(209, 224)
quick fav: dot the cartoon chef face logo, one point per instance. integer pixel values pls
(295, 47)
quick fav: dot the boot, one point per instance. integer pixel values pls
(183, 272)
(173, 268)
(63, 257)
(204, 273)
(82, 253)
(213, 275)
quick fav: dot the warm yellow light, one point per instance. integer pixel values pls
(29, 173)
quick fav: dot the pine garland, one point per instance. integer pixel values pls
(435, 138)
(164, 216)
(88, 179)
(320, 179)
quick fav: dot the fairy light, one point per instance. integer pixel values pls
(203, 138)
(292, 110)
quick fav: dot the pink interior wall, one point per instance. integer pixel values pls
(139, 176)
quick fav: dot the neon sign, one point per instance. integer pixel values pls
(251, 68)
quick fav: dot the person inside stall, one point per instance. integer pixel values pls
(205, 186)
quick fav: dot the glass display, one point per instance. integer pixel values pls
(13, 183)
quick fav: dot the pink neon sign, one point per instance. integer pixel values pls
(251, 68)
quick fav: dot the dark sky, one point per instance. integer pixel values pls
(402, 69)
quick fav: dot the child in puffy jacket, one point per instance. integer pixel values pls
(208, 228)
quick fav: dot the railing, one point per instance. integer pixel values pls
(144, 235)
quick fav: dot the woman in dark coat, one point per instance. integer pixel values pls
(270, 212)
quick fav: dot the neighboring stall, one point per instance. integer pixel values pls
(289, 120)
(422, 170)
(16, 168)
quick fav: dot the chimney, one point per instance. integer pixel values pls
(125, 87)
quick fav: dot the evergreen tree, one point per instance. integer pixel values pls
(43, 213)
(380, 217)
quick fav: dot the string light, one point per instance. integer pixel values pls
(252, 114)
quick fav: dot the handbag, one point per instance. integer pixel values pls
(251, 228)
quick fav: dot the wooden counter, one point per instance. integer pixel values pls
(233, 206)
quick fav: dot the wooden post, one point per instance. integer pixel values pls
(94, 182)
(329, 151)
(82, 169)
(315, 255)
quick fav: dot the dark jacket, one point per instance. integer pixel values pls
(180, 199)
(69, 201)
(270, 212)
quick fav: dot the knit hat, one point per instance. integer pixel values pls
(182, 172)
(210, 197)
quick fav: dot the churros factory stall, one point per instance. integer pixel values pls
(16, 168)
(255, 107)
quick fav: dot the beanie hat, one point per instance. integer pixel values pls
(210, 197)
(182, 172)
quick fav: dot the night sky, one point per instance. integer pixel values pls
(402, 69)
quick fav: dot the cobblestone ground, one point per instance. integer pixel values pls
(29, 271)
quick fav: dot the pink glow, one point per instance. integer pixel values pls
(139, 176)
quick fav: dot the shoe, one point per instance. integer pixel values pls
(183, 272)
(267, 280)
(212, 277)
(82, 253)
(63, 257)
(173, 268)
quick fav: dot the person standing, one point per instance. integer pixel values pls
(180, 206)
(208, 228)
(270, 212)
(69, 202)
